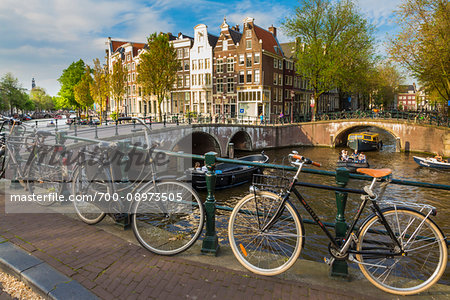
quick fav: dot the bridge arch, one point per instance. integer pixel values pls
(241, 141)
(198, 142)
(341, 135)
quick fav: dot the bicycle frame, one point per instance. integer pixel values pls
(349, 236)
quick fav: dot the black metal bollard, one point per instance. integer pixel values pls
(96, 133)
(164, 120)
(117, 130)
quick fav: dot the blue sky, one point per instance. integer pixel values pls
(40, 38)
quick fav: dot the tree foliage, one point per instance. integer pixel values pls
(334, 44)
(117, 83)
(12, 95)
(385, 82)
(82, 90)
(158, 68)
(423, 44)
(99, 86)
(41, 100)
(68, 80)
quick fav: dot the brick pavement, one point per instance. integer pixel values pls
(114, 268)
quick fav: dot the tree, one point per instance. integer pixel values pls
(12, 94)
(117, 84)
(158, 68)
(335, 44)
(69, 78)
(82, 90)
(41, 100)
(386, 81)
(422, 45)
(99, 86)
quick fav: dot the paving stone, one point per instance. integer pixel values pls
(15, 260)
(71, 290)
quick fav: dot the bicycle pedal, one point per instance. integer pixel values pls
(328, 261)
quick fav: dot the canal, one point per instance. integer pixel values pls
(324, 202)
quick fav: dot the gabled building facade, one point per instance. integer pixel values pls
(201, 57)
(181, 94)
(225, 76)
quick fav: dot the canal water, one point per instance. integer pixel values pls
(324, 202)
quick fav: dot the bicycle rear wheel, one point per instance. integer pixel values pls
(45, 175)
(168, 218)
(270, 252)
(421, 239)
(86, 182)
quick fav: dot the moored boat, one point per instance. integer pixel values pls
(352, 165)
(364, 141)
(228, 174)
(432, 163)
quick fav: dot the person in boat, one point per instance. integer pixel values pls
(344, 155)
(197, 166)
(438, 158)
(362, 158)
(204, 169)
(355, 156)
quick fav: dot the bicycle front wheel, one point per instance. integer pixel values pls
(421, 239)
(168, 218)
(274, 250)
(86, 182)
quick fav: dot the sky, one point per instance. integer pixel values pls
(41, 38)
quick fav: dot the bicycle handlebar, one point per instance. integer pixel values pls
(305, 160)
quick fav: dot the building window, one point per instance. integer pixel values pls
(186, 65)
(140, 91)
(280, 79)
(275, 78)
(134, 76)
(133, 66)
(186, 80)
(241, 77)
(256, 76)
(230, 64)
(256, 59)
(134, 90)
(207, 63)
(241, 59)
(193, 79)
(249, 76)
(186, 52)
(180, 81)
(230, 85)
(249, 44)
(220, 66)
(220, 85)
(208, 79)
(200, 64)
(225, 45)
(249, 60)
(180, 53)
(248, 33)
(194, 64)
(280, 94)
(286, 79)
(200, 49)
(280, 64)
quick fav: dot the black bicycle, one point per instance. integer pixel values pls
(398, 247)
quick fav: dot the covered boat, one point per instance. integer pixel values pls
(432, 163)
(228, 174)
(364, 141)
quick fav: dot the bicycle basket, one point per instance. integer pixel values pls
(276, 184)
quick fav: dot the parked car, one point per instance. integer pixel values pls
(94, 121)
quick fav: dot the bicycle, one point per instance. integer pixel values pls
(39, 167)
(162, 226)
(398, 247)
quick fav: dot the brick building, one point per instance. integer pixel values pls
(406, 97)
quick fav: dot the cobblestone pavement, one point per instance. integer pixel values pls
(114, 268)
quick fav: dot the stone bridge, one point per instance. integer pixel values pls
(216, 137)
